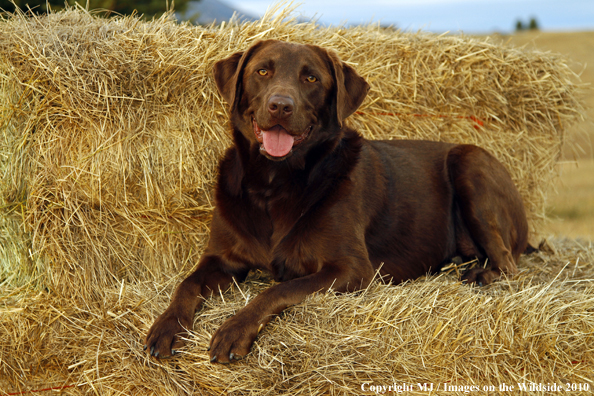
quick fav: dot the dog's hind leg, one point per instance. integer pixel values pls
(491, 209)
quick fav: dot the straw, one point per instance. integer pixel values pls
(535, 328)
(112, 128)
(111, 131)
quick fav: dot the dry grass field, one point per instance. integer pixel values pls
(571, 207)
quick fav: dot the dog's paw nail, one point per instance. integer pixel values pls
(144, 348)
(152, 351)
(213, 359)
(231, 356)
(480, 284)
(173, 352)
(157, 354)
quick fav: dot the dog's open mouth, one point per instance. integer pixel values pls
(277, 142)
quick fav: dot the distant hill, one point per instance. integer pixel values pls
(206, 11)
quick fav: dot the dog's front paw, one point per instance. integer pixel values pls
(480, 276)
(163, 338)
(233, 340)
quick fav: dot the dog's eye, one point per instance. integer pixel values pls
(262, 72)
(312, 79)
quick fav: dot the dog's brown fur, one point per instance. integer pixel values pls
(335, 207)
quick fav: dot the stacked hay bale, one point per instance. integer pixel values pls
(435, 332)
(112, 127)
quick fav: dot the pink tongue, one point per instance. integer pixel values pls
(277, 142)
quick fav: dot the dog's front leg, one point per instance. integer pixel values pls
(234, 338)
(212, 274)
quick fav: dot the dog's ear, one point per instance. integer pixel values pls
(228, 74)
(351, 88)
(225, 75)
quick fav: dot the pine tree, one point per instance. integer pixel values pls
(150, 8)
(533, 24)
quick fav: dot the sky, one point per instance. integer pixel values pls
(469, 16)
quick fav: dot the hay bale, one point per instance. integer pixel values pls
(536, 328)
(112, 127)
(111, 131)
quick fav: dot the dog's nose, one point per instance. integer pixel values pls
(280, 106)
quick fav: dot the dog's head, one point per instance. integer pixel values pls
(288, 97)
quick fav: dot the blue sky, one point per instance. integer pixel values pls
(470, 16)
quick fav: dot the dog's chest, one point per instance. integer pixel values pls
(262, 196)
(279, 201)
(265, 191)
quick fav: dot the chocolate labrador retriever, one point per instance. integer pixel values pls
(306, 198)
